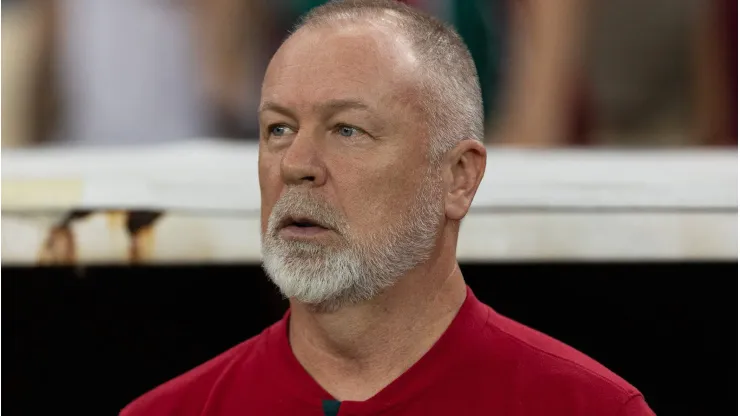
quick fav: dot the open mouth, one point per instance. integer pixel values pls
(299, 227)
(300, 222)
(304, 224)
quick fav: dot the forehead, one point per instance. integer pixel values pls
(358, 61)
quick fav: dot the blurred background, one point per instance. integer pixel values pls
(130, 226)
(567, 73)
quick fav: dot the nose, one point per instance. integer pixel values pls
(301, 163)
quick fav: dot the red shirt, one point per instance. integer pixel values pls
(484, 364)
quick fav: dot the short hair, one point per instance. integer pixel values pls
(451, 95)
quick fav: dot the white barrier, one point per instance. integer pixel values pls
(532, 204)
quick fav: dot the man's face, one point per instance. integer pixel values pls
(350, 201)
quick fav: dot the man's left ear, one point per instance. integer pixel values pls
(464, 168)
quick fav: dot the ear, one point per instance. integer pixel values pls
(464, 167)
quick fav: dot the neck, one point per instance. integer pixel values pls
(356, 351)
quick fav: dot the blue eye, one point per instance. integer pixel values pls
(346, 131)
(279, 130)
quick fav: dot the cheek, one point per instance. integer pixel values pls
(377, 197)
(271, 186)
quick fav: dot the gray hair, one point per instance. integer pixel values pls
(450, 90)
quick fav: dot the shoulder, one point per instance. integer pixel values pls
(189, 392)
(554, 373)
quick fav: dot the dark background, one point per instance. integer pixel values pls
(88, 341)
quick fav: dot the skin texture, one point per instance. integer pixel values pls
(367, 174)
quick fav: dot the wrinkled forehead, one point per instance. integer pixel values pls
(359, 61)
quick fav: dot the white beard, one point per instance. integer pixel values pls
(329, 277)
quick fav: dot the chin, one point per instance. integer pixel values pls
(326, 281)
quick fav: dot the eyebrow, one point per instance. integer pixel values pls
(331, 106)
(273, 106)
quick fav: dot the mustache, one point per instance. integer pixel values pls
(299, 203)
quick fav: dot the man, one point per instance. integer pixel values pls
(370, 155)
